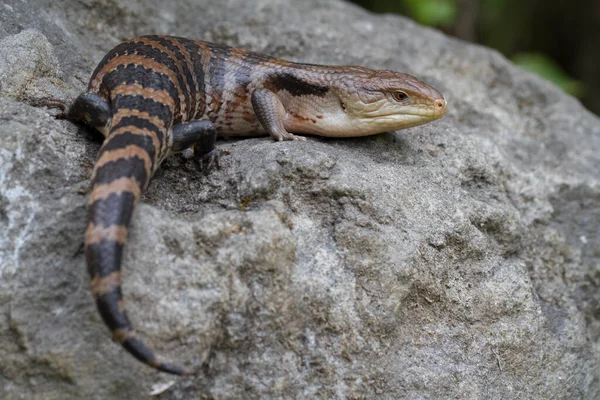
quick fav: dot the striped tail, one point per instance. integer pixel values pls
(136, 144)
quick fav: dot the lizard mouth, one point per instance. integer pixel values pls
(433, 109)
(414, 113)
(411, 116)
(430, 110)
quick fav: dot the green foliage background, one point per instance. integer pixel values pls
(551, 38)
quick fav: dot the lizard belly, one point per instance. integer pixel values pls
(239, 125)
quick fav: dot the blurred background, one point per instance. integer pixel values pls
(556, 39)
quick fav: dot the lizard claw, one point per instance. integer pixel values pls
(63, 107)
(288, 136)
(207, 161)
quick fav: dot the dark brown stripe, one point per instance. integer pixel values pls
(150, 52)
(128, 339)
(148, 76)
(152, 106)
(184, 78)
(217, 70)
(97, 233)
(206, 56)
(131, 131)
(139, 123)
(102, 285)
(130, 161)
(194, 52)
(182, 55)
(257, 58)
(136, 89)
(115, 209)
(243, 72)
(108, 307)
(161, 65)
(99, 72)
(116, 186)
(139, 350)
(130, 138)
(103, 258)
(296, 86)
(163, 134)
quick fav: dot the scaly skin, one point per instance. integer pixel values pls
(155, 95)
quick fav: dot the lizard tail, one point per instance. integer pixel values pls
(136, 143)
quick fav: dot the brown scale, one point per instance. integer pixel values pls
(143, 132)
(125, 184)
(163, 147)
(198, 100)
(107, 284)
(187, 100)
(301, 118)
(136, 89)
(127, 152)
(97, 233)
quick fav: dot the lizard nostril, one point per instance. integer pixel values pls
(440, 106)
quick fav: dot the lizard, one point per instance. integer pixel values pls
(155, 95)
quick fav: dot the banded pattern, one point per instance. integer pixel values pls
(149, 85)
(153, 95)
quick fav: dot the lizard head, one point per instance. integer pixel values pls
(355, 101)
(376, 101)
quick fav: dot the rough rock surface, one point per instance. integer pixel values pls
(460, 259)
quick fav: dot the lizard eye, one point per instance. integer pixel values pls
(399, 96)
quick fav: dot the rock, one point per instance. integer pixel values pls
(454, 260)
(28, 67)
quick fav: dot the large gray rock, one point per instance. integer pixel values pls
(459, 259)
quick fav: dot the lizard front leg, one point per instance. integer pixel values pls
(270, 112)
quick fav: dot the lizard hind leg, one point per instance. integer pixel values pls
(203, 136)
(92, 110)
